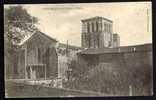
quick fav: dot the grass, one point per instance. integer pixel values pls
(14, 89)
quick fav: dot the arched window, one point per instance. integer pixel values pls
(39, 55)
(88, 27)
(93, 30)
(105, 27)
(97, 27)
(97, 40)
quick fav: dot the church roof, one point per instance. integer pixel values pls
(32, 34)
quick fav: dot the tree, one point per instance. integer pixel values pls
(17, 24)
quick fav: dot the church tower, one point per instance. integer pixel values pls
(96, 32)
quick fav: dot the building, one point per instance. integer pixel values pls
(41, 57)
(131, 65)
(129, 55)
(96, 56)
(97, 32)
(102, 51)
(38, 57)
(68, 50)
(66, 53)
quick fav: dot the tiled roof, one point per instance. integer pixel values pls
(136, 48)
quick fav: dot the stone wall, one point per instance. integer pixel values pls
(135, 69)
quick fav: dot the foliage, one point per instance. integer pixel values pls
(112, 78)
(79, 69)
(17, 24)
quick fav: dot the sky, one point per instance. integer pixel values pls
(131, 20)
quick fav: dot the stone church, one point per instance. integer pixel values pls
(41, 57)
(102, 51)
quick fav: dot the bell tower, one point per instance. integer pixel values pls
(96, 33)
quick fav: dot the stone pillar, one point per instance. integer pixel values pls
(88, 27)
(97, 26)
(84, 27)
(100, 26)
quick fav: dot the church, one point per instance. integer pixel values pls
(102, 53)
(44, 58)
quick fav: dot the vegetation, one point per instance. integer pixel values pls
(18, 23)
(79, 69)
(21, 90)
(111, 78)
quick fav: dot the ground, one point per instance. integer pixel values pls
(16, 89)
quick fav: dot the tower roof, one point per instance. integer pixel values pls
(97, 17)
